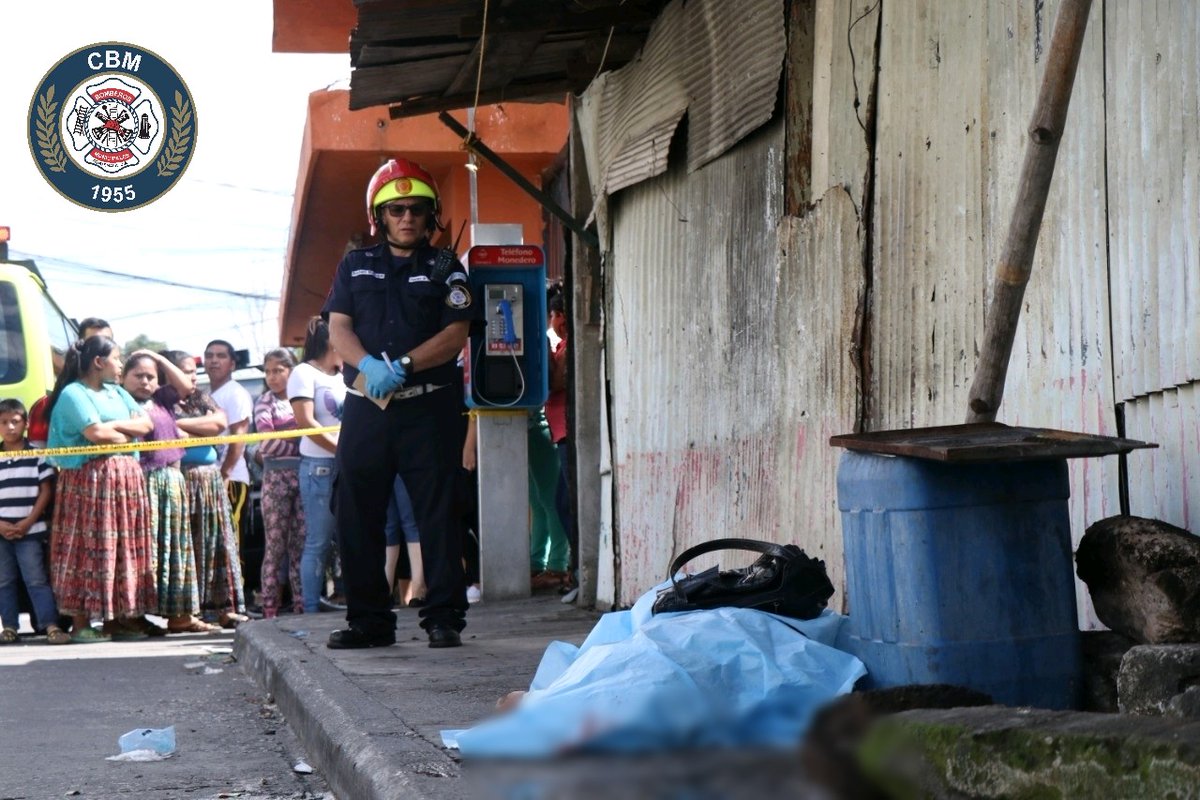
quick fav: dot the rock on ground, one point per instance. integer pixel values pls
(1144, 578)
(1151, 675)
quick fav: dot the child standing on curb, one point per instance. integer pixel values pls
(26, 486)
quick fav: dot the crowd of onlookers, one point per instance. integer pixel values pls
(114, 537)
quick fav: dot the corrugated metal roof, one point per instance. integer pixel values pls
(724, 74)
(634, 110)
(731, 66)
(424, 56)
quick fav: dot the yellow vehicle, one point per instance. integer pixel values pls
(34, 333)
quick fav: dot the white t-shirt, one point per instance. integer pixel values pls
(237, 404)
(327, 392)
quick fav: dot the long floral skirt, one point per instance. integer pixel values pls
(283, 526)
(102, 548)
(174, 556)
(218, 570)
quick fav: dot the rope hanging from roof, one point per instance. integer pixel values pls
(466, 142)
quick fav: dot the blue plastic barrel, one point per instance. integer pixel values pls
(962, 574)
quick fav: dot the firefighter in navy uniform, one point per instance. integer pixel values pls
(399, 314)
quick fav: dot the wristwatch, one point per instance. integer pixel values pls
(406, 362)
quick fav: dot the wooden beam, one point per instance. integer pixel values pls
(513, 93)
(519, 20)
(585, 387)
(503, 59)
(473, 144)
(1016, 260)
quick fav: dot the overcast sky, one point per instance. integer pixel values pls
(224, 224)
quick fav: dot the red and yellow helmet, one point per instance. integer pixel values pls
(398, 178)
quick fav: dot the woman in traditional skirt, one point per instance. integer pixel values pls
(283, 513)
(218, 570)
(175, 560)
(102, 550)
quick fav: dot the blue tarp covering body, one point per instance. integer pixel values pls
(643, 683)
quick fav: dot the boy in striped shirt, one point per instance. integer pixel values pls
(26, 486)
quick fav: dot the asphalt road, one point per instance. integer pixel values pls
(62, 709)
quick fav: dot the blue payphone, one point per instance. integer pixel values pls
(506, 364)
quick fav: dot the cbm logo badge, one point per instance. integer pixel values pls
(112, 127)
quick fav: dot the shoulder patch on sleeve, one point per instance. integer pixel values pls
(459, 297)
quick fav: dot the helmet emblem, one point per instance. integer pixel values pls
(403, 186)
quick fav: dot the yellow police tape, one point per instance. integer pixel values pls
(165, 444)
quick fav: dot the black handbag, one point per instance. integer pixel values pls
(784, 580)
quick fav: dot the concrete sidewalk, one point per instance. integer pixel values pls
(370, 720)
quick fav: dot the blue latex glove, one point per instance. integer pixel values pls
(379, 377)
(400, 371)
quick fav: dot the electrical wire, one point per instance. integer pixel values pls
(130, 276)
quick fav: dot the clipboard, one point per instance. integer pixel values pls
(360, 385)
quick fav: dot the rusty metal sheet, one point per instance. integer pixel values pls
(1165, 483)
(725, 77)
(986, 441)
(731, 72)
(1153, 128)
(844, 68)
(726, 328)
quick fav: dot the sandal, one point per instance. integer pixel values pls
(195, 626)
(144, 625)
(56, 635)
(546, 580)
(89, 635)
(121, 631)
(230, 620)
(8, 636)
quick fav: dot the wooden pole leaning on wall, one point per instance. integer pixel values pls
(1016, 260)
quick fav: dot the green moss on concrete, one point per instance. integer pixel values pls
(912, 759)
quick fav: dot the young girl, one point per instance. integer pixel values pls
(178, 596)
(283, 513)
(317, 393)
(102, 553)
(218, 570)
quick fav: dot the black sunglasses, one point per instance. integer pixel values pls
(398, 210)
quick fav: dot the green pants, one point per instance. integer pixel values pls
(548, 546)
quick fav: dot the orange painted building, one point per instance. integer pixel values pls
(342, 148)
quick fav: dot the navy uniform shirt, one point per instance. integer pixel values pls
(396, 304)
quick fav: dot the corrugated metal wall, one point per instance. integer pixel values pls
(730, 331)
(730, 366)
(958, 82)
(1153, 123)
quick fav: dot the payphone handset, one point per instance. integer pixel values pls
(505, 315)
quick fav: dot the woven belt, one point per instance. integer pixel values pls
(407, 392)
